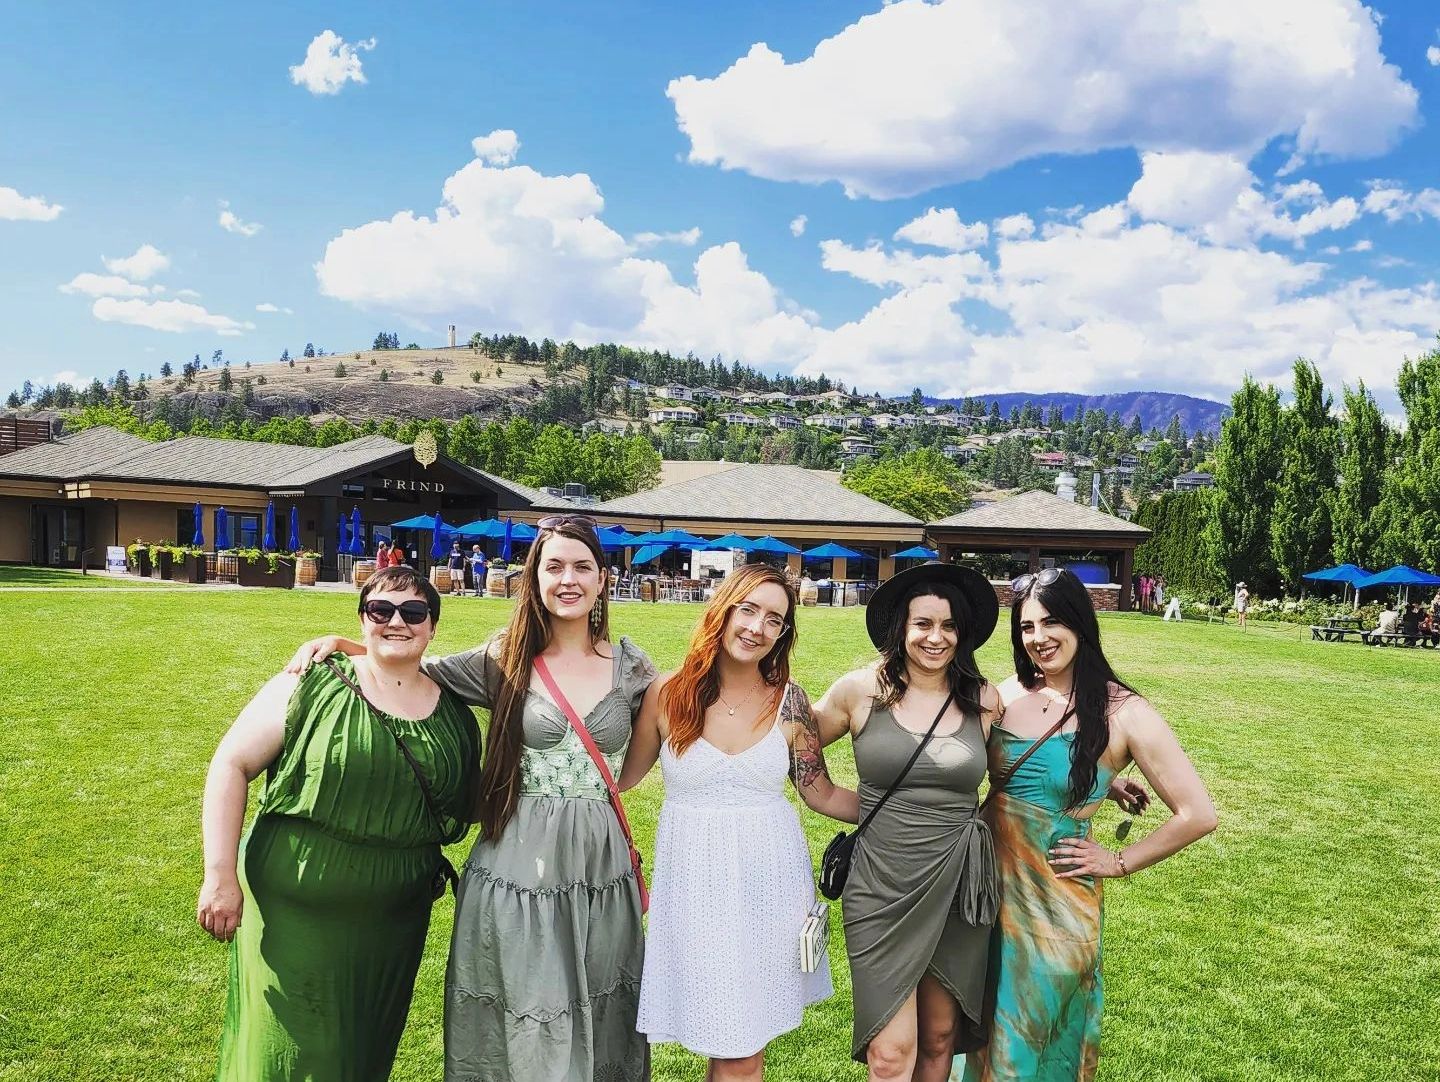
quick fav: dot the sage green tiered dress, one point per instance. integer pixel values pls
(337, 871)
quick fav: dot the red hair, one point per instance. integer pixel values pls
(695, 687)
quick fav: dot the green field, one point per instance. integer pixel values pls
(1298, 942)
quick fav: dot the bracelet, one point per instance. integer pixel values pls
(1124, 870)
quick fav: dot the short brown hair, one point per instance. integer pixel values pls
(402, 578)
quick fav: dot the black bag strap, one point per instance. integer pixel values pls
(901, 776)
(430, 803)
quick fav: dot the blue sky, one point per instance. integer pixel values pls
(1090, 196)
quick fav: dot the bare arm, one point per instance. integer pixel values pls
(313, 650)
(992, 708)
(832, 712)
(645, 740)
(808, 771)
(251, 744)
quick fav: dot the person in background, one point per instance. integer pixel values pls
(457, 568)
(1430, 629)
(1242, 603)
(1159, 591)
(1435, 605)
(382, 554)
(1389, 617)
(327, 899)
(478, 569)
(1410, 623)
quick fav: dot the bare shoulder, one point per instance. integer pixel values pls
(1011, 689)
(1133, 713)
(991, 700)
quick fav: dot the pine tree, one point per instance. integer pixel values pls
(340, 370)
(285, 357)
(438, 378)
(1301, 535)
(1363, 454)
(226, 382)
(1250, 446)
(166, 371)
(309, 349)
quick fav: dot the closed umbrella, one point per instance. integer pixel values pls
(438, 545)
(294, 529)
(222, 529)
(505, 545)
(198, 540)
(267, 542)
(357, 547)
(342, 543)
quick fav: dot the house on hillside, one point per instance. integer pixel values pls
(831, 421)
(854, 448)
(680, 415)
(779, 398)
(749, 420)
(1187, 482)
(859, 421)
(609, 425)
(677, 391)
(1049, 460)
(784, 420)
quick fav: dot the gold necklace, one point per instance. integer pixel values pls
(742, 702)
(1048, 700)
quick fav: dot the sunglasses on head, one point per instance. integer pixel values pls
(550, 522)
(1040, 578)
(382, 612)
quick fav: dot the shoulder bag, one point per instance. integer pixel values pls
(446, 872)
(835, 864)
(604, 768)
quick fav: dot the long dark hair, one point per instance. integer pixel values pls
(1067, 600)
(962, 674)
(523, 639)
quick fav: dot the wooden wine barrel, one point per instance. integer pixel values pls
(440, 578)
(495, 581)
(647, 589)
(809, 594)
(361, 572)
(307, 570)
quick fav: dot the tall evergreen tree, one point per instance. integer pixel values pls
(1362, 456)
(1300, 530)
(1245, 469)
(1410, 506)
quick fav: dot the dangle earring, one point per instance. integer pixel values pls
(596, 620)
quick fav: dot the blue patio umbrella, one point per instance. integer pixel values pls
(774, 546)
(294, 528)
(482, 528)
(730, 541)
(522, 531)
(615, 536)
(831, 551)
(357, 547)
(222, 529)
(680, 539)
(267, 540)
(506, 543)
(198, 540)
(646, 554)
(1399, 575)
(917, 552)
(416, 522)
(439, 543)
(1345, 574)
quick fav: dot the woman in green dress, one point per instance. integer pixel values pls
(327, 901)
(543, 980)
(1045, 979)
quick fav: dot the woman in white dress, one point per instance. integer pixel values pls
(733, 881)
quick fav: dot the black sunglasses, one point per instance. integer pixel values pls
(1040, 578)
(549, 522)
(382, 612)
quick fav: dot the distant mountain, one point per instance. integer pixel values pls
(1154, 408)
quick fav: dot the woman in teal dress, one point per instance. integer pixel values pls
(327, 902)
(1045, 981)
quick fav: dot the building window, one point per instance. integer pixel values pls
(350, 489)
(247, 531)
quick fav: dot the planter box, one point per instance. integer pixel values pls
(258, 574)
(141, 564)
(191, 569)
(164, 566)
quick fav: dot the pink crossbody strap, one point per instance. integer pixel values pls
(604, 768)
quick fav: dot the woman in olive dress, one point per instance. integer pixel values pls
(327, 901)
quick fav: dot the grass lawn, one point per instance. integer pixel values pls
(1298, 942)
(48, 577)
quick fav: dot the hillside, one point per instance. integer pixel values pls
(1154, 408)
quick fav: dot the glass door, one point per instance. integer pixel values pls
(56, 535)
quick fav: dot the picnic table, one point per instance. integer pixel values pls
(1342, 620)
(1331, 632)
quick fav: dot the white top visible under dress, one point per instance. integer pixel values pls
(732, 886)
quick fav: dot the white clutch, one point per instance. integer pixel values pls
(815, 938)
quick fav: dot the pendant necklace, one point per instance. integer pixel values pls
(741, 703)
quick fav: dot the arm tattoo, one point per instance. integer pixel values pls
(807, 760)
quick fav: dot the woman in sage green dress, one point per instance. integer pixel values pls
(921, 895)
(1045, 983)
(543, 980)
(328, 900)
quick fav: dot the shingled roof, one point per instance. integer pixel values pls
(71, 457)
(1040, 511)
(758, 493)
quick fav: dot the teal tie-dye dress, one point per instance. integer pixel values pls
(1045, 959)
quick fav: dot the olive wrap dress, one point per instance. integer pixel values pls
(921, 896)
(337, 871)
(543, 980)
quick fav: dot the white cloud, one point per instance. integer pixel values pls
(797, 225)
(1394, 203)
(330, 63)
(15, 207)
(69, 376)
(269, 308)
(944, 229)
(1432, 54)
(1015, 227)
(1362, 246)
(191, 293)
(175, 317)
(918, 95)
(497, 148)
(687, 237)
(147, 262)
(231, 224)
(104, 285)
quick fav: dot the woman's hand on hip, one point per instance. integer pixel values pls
(220, 906)
(1074, 857)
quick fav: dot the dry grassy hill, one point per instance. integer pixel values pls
(312, 387)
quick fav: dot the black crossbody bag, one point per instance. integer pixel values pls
(446, 872)
(835, 864)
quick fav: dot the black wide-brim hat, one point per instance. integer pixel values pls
(984, 605)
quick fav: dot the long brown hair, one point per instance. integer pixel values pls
(962, 675)
(695, 687)
(523, 639)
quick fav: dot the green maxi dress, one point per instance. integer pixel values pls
(337, 871)
(1045, 979)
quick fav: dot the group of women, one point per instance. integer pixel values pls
(970, 927)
